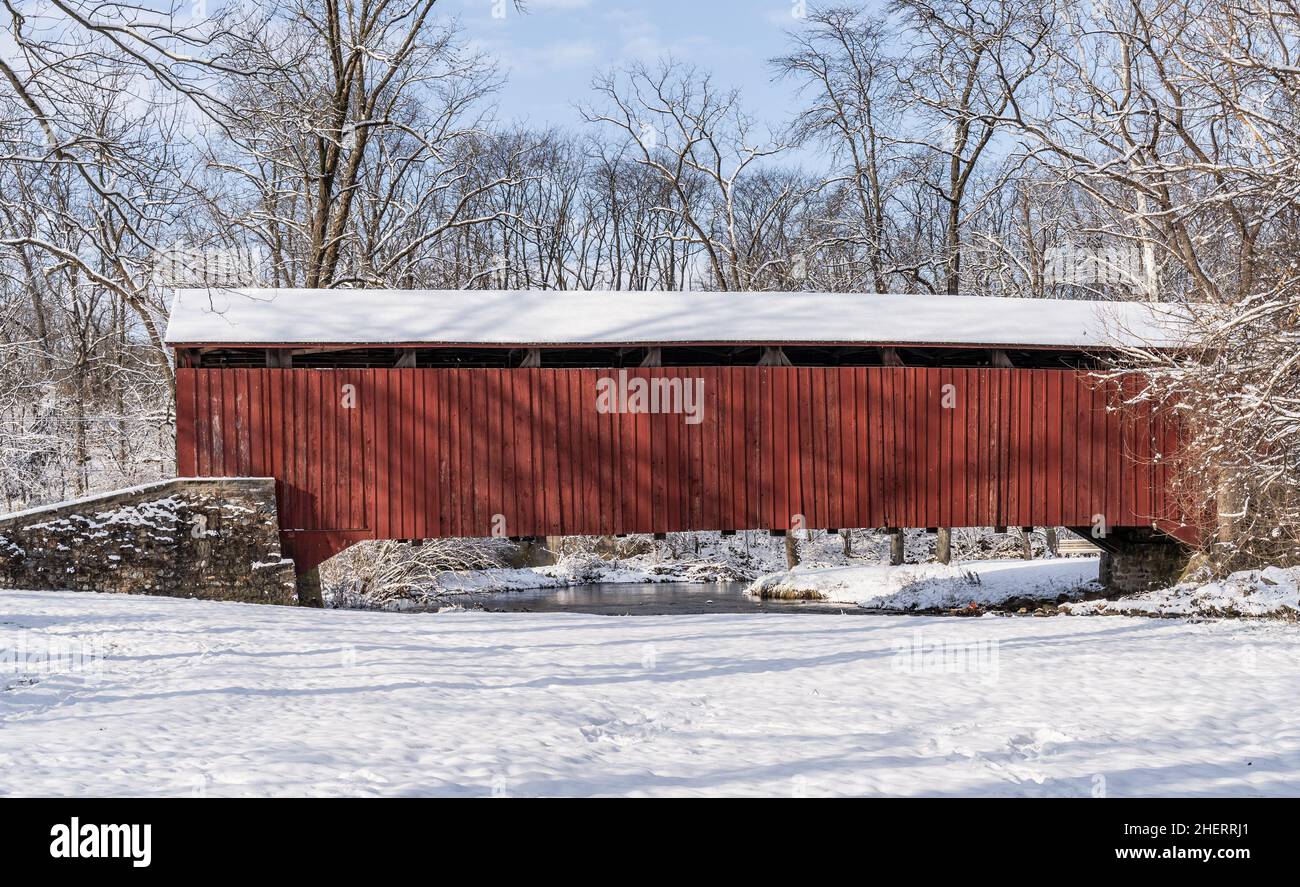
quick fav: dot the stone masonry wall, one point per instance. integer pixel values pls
(215, 539)
(1141, 566)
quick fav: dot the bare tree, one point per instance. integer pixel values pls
(700, 143)
(967, 61)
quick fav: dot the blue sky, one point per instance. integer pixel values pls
(552, 50)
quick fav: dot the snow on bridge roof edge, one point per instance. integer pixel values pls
(593, 317)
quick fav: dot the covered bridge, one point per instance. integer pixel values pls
(387, 414)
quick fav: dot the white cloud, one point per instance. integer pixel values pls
(557, 55)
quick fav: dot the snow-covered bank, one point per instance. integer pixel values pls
(571, 570)
(682, 557)
(935, 586)
(1273, 592)
(229, 699)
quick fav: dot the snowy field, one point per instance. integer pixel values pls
(160, 696)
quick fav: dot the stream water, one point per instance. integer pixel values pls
(645, 599)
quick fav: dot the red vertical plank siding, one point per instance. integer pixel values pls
(802, 453)
(763, 447)
(873, 410)
(433, 452)
(959, 492)
(989, 421)
(381, 458)
(517, 455)
(861, 464)
(709, 431)
(419, 458)
(310, 408)
(483, 445)
(1084, 430)
(186, 420)
(562, 481)
(594, 453)
(840, 420)
(888, 420)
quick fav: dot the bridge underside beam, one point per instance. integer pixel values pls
(311, 548)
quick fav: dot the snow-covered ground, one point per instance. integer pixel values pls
(168, 696)
(934, 586)
(1273, 592)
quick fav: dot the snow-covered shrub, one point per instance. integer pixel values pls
(375, 573)
(1237, 399)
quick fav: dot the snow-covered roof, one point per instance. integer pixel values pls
(541, 318)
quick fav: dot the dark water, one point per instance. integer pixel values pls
(644, 599)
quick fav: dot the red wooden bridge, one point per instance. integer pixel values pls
(414, 415)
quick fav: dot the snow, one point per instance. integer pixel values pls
(1273, 591)
(95, 498)
(933, 586)
(162, 696)
(518, 317)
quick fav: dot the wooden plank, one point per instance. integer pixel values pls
(707, 432)
(978, 514)
(819, 438)
(845, 477)
(783, 500)
(933, 446)
(765, 449)
(889, 422)
(594, 453)
(186, 422)
(382, 455)
(872, 433)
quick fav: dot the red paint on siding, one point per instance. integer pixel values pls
(440, 452)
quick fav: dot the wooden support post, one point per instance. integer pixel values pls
(279, 358)
(890, 357)
(1000, 359)
(406, 360)
(532, 358)
(897, 550)
(944, 545)
(1053, 544)
(1026, 548)
(309, 589)
(654, 357)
